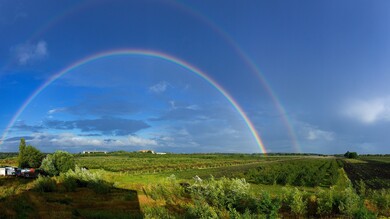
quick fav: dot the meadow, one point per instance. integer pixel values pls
(136, 185)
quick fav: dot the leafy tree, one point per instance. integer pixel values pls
(59, 162)
(22, 147)
(29, 156)
(48, 165)
(352, 155)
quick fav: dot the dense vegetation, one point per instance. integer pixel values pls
(303, 172)
(225, 186)
(29, 156)
(139, 163)
(231, 198)
(59, 162)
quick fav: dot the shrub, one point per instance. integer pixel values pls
(59, 162)
(325, 202)
(294, 199)
(69, 183)
(363, 213)
(348, 201)
(268, 206)
(201, 209)
(44, 184)
(382, 200)
(223, 192)
(83, 178)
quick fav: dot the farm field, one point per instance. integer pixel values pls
(373, 171)
(294, 186)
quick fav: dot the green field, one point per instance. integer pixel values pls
(168, 186)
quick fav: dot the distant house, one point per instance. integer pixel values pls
(160, 153)
(94, 152)
(147, 151)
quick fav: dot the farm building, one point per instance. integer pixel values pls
(94, 152)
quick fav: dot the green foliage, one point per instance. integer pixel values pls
(100, 186)
(268, 206)
(201, 209)
(307, 172)
(157, 212)
(44, 184)
(295, 201)
(21, 157)
(221, 193)
(59, 162)
(48, 165)
(351, 155)
(30, 157)
(83, 178)
(69, 183)
(381, 199)
(325, 202)
(363, 213)
(348, 201)
(137, 163)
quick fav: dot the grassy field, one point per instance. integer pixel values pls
(146, 185)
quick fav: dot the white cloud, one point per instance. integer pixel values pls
(28, 52)
(159, 87)
(138, 141)
(56, 110)
(193, 107)
(369, 111)
(312, 133)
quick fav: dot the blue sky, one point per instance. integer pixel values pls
(326, 63)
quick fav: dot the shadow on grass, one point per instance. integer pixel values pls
(82, 203)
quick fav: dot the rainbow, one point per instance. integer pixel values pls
(148, 53)
(249, 62)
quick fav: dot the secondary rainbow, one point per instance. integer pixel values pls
(149, 53)
(249, 62)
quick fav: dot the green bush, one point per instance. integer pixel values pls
(59, 162)
(348, 201)
(223, 192)
(201, 209)
(268, 205)
(325, 202)
(44, 184)
(69, 183)
(381, 199)
(363, 213)
(295, 201)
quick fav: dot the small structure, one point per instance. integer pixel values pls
(94, 152)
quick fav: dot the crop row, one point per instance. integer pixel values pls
(163, 163)
(302, 172)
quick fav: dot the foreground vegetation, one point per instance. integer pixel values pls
(197, 186)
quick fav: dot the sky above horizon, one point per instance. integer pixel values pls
(310, 76)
